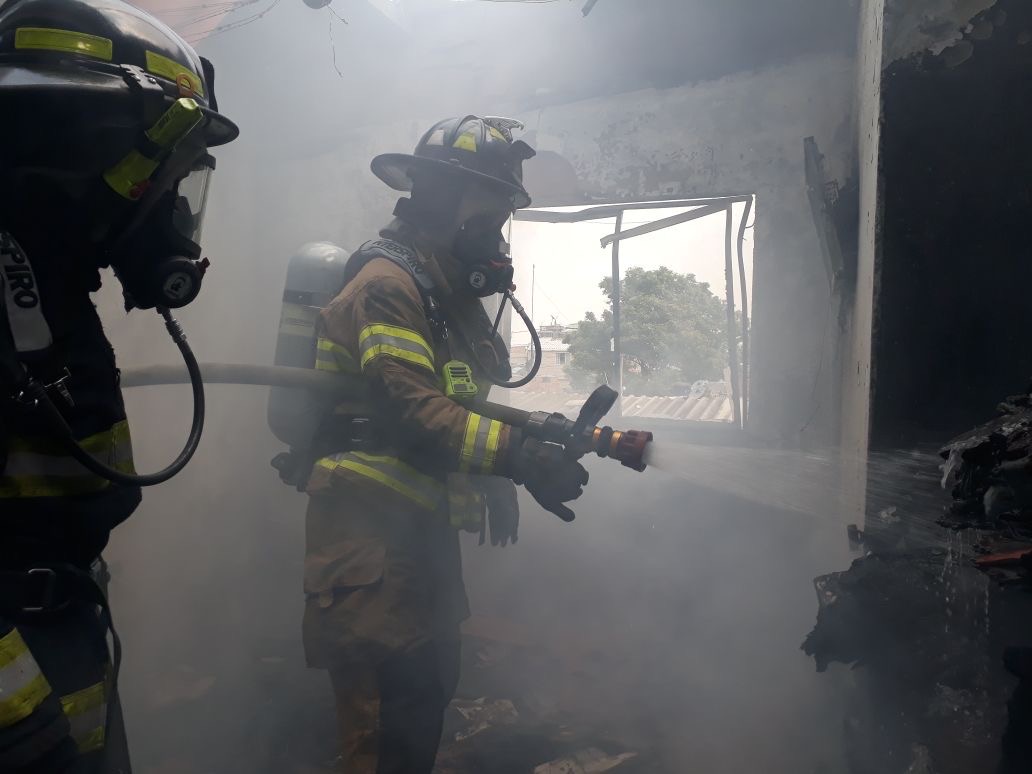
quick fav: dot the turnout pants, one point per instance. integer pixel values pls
(384, 601)
(390, 715)
(59, 713)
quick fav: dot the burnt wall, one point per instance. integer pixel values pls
(953, 312)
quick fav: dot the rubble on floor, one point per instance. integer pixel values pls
(990, 472)
(915, 626)
(925, 624)
(590, 761)
(505, 723)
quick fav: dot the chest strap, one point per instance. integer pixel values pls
(406, 258)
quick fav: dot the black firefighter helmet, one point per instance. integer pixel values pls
(473, 148)
(71, 67)
(98, 92)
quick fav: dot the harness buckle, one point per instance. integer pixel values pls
(60, 387)
(361, 432)
(48, 578)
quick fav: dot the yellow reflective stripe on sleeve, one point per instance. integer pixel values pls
(480, 445)
(113, 440)
(494, 435)
(65, 41)
(390, 472)
(469, 441)
(330, 356)
(401, 343)
(40, 467)
(22, 686)
(174, 71)
(86, 711)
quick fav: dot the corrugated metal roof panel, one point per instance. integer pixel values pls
(554, 345)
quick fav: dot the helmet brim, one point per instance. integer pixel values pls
(218, 130)
(100, 90)
(395, 169)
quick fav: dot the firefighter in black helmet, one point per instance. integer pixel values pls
(107, 121)
(403, 466)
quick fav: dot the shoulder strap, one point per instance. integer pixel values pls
(405, 257)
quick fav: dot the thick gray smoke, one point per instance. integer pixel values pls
(668, 617)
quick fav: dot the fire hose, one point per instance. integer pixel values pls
(579, 436)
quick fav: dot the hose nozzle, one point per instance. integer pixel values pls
(627, 446)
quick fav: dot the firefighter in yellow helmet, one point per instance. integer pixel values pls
(403, 468)
(108, 116)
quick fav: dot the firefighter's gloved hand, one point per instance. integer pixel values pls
(503, 511)
(549, 475)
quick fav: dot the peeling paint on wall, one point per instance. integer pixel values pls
(740, 134)
(735, 134)
(931, 25)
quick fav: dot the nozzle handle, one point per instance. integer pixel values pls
(595, 407)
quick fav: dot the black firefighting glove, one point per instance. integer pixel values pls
(547, 473)
(503, 510)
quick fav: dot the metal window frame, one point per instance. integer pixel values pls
(702, 207)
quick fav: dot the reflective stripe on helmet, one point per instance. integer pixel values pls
(390, 472)
(400, 343)
(64, 41)
(22, 686)
(480, 445)
(40, 467)
(86, 711)
(186, 78)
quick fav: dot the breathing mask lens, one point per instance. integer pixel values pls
(480, 246)
(158, 259)
(191, 200)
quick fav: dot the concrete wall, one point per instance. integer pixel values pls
(740, 134)
(855, 361)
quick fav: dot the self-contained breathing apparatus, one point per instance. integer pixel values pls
(316, 273)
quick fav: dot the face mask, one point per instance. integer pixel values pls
(158, 257)
(484, 254)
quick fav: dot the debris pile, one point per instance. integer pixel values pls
(990, 469)
(925, 623)
(915, 627)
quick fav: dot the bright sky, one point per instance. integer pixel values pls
(570, 262)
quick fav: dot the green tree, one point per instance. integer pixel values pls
(673, 330)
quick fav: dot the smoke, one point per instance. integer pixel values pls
(811, 483)
(669, 615)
